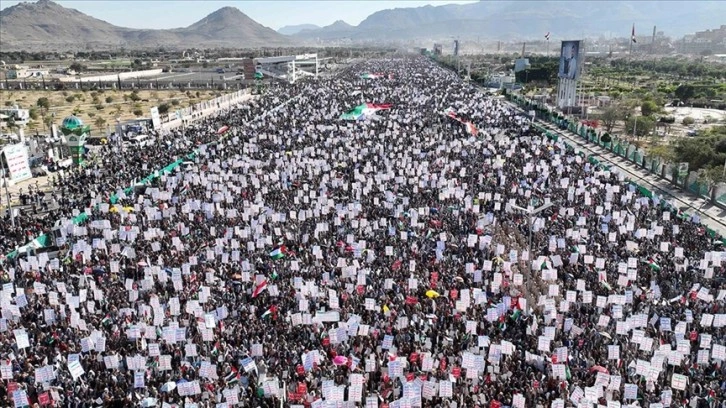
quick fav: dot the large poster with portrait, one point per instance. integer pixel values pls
(569, 60)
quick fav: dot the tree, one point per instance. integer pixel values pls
(43, 103)
(685, 92)
(77, 67)
(33, 113)
(163, 108)
(610, 117)
(702, 152)
(688, 121)
(109, 99)
(648, 108)
(643, 125)
(138, 112)
(664, 152)
(100, 122)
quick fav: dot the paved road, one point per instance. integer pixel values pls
(711, 215)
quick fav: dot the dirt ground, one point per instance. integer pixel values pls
(95, 109)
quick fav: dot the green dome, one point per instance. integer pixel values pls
(72, 122)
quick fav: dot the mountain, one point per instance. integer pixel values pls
(46, 26)
(338, 30)
(230, 26)
(294, 29)
(516, 20)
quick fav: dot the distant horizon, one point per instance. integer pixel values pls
(159, 15)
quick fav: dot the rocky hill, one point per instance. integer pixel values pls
(46, 26)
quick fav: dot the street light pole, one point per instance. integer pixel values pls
(7, 196)
(530, 215)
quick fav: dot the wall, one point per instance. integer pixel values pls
(115, 77)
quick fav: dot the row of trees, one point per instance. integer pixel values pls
(679, 66)
(705, 154)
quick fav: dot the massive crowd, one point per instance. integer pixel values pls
(302, 260)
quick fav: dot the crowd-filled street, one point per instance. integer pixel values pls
(305, 260)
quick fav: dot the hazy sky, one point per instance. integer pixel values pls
(273, 14)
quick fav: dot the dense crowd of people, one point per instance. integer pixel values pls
(303, 260)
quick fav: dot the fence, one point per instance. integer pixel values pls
(622, 148)
(714, 192)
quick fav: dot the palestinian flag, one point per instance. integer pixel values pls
(547, 36)
(106, 320)
(272, 311)
(470, 127)
(368, 75)
(279, 252)
(632, 34)
(361, 111)
(259, 288)
(233, 377)
(258, 75)
(653, 265)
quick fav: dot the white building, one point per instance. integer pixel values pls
(20, 116)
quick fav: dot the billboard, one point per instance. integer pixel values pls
(521, 64)
(15, 157)
(569, 60)
(155, 118)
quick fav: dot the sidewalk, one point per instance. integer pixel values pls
(711, 215)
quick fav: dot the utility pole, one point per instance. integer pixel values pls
(6, 181)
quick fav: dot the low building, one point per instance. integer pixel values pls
(19, 116)
(26, 73)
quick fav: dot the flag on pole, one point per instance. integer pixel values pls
(632, 35)
(547, 36)
(260, 288)
(362, 111)
(279, 252)
(653, 265)
(233, 377)
(470, 127)
(270, 312)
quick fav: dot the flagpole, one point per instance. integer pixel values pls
(631, 47)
